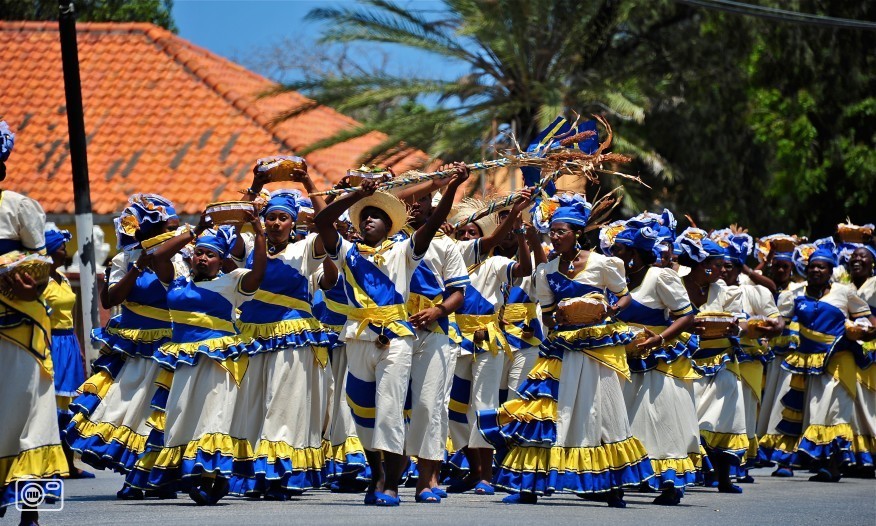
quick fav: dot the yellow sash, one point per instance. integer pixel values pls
(34, 334)
(843, 367)
(469, 323)
(751, 374)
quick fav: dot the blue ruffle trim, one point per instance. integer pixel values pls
(546, 483)
(280, 474)
(291, 341)
(99, 454)
(533, 433)
(204, 462)
(118, 344)
(670, 476)
(822, 452)
(10, 496)
(667, 354)
(219, 354)
(354, 466)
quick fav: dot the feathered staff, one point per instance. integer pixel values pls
(556, 159)
(563, 160)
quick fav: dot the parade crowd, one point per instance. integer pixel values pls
(361, 342)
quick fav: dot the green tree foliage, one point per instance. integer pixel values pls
(157, 12)
(732, 119)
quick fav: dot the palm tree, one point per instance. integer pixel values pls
(526, 61)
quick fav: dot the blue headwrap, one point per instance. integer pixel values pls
(7, 141)
(284, 201)
(220, 240)
(644, 238)
(55, 239)
(871, 250)
(575, 211)
(823, 254)
(142, 209)
(739, 247)
(695, 243)
(783, 256)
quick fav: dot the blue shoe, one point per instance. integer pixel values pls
(521, 498)
(747, 479)
(440, 492)
(129, 493)
(386, 500)
(462, 486)
(482, 488)
(783, 472)
(201, 497)
(732, 488)
(370, 498)
(427, 497)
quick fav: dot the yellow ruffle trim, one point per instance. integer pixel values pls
(164, 378)
(350, 446)
(527, 410)
(37, 463)
(157, 420)
(279, 329)
(192, 348)
(211, 443)
(597, 331)
(681, 369)
(109, 433)
(711, 361)
(864, 443)
(97, 384)
(801, 361)
(597, 459)
(545, 368)
(725, 441)
(785, 443)
(680, 465)
(139, 335)
(823, 435)
(751, 454)
(307, 458)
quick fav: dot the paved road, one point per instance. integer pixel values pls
(769, 501)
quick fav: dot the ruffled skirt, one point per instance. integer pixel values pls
(569, 430)
(663, 415)
(721, 414)
(30, 446)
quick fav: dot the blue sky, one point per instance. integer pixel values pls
(239, 29)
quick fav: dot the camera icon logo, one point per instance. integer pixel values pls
(39, 494)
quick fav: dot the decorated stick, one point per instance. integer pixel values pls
(417, 177)
(509, 200)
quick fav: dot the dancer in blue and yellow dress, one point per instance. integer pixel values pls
(754, 352)
(111, 423)
(819, 406)
(570, 431)
(210, 431)
(862, 271)
(30, 445)
(291, 356)
(660, 396)
(67, 357)
(720, 403)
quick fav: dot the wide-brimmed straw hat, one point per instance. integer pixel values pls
(391, 206)
(468, 206)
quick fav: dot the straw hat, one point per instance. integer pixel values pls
(390, 204)
(468, 206)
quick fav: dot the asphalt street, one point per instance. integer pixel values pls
(769, 501)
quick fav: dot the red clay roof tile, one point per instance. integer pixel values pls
(161, 115)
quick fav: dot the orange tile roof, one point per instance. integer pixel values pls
(161, 115)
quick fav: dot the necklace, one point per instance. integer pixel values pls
(571, 262)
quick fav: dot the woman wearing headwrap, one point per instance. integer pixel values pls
(483, 349)
(111, 426)
(819, 406)
(863, 278)
(720, 406)
(291, 356)
(67, 357)
(30, 445)
(660, 398)
(211, 428)
(758, 303)
(569, 430)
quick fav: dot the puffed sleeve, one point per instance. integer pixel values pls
(858, 308)
(671, 292)
(542, 289)
(235, 292)
(413, 259)
(504, 268)
(455, 271)
(766, 305)
(786, 304)
(312, 262)
(248, 239)
(118, 268)
(31, 224)
(613, 277)
(732, 300)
